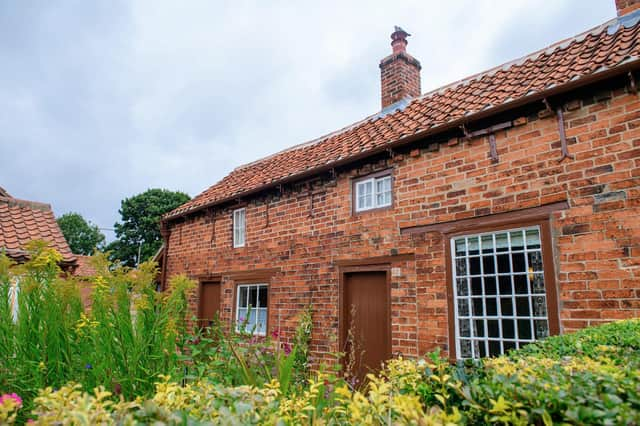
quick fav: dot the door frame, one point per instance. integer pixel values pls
(201, 285)
(342, 326)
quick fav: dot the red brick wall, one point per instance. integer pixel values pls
(626, 6)
(596, 240)
(399, 78)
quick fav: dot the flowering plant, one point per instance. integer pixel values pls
(10, 403)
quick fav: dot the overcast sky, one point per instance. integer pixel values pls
(101, 100)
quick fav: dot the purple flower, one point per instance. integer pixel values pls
(275, 334)
(287, 348)
(88, 366)
(13, 396)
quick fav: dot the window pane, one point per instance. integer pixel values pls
(461, 267)
(262, 297)
(364, 195)
(533, 239)
(535, 261)
(242, 297)
(474, 265)
(253, 296)
(502, 242)
(494, 348)
(465, 348)
(473, 246)
(488, 264)
(462, 287)
(252, 320)
(517, 242)
(476, 286)
(517, 262)
(238, 227)
(262, 321)
(465, 328)
(463, 308)
(360, 203)
(542, 328)
(500, 293)
(490, 286)
(242, 315)
(383, 191)
(508, 329)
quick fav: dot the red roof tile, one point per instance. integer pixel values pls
(22, 221)
(85, 269)
(606, 47)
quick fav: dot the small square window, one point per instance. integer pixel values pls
(239, 228)
(373, 193)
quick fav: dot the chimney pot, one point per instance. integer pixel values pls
(399, 40)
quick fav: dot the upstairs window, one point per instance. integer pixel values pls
(373, 192)
(239, 227)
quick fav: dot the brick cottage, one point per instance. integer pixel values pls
(474, 218)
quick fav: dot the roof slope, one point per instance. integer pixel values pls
(22, 221)
(602, 48)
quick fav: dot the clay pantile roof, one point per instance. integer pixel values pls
(612, 45)
(22, 221)
(85, 269)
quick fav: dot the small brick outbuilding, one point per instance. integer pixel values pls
(474, 218)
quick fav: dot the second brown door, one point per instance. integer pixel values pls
(366, 314)
(209, 303)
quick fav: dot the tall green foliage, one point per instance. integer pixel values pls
(139, 230)
(129, 337)
(82, 236)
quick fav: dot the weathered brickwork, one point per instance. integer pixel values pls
(307, 231)
(625, 6)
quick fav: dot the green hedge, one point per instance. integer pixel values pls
(590, 377)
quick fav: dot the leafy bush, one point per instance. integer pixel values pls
(135, 350)
(130, 336)
(584, 378)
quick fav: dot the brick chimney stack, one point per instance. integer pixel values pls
(399, 72)
(625, 6)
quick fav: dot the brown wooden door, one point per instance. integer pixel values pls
(366, 314)
(209, 303)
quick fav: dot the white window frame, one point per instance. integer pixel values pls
(257, 309)
(482, 337)
(239, 227)
(374, 194)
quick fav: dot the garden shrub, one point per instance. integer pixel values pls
(130, 336)
(590, 377)
(132, 359)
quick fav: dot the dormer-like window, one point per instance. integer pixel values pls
(373, 192)
(239, 227)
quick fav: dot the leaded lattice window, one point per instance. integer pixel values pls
(500, 298)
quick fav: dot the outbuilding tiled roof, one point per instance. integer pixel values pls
(85, 268)
(612, 45)
(22, 221)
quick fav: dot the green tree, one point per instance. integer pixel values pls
(83, 236)
(139, 231)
